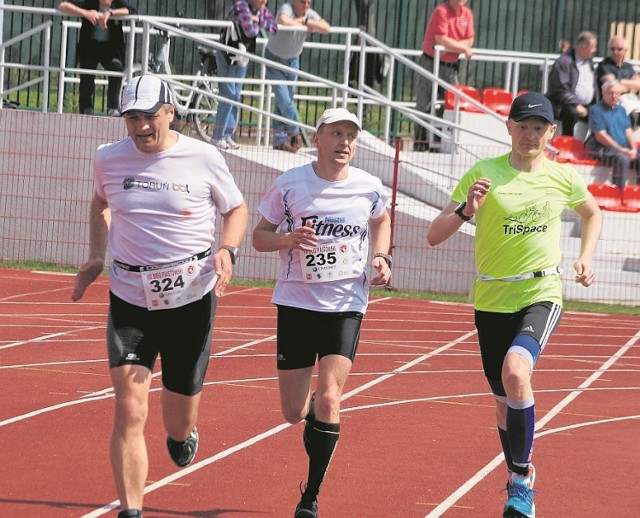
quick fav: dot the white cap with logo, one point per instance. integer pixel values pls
(336, 115)
(145, 94)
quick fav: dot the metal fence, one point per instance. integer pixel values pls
(534, 27)
(45, 159)
(46, 185)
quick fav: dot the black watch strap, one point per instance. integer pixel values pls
(233, 252)
(461, 214)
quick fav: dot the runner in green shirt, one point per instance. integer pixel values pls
(517, 200)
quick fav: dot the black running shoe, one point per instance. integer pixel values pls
(183, 452)
(306, 509)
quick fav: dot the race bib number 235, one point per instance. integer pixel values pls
(327, 263)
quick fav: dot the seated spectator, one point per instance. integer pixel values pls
(612, 140)
(572, 84)
(615, 67)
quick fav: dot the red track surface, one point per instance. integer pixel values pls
(418, 437)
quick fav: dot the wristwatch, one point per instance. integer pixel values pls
(233, 252)
(461, 214)
(388, 258)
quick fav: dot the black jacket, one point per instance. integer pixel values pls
(86, 44)
(563, 79)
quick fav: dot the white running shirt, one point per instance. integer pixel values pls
(163, 207)
(340, 212)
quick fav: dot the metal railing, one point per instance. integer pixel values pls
(337, 91)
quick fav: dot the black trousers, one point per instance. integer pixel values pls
(569, 117)
(99, 53)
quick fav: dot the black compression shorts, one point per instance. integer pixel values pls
(304, 335)
(496, 332)
(182, 337)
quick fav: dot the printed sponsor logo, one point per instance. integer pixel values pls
(131, 183)
(333, 226)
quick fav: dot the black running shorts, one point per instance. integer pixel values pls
(182, 337)
(496, 332)
(304, 335)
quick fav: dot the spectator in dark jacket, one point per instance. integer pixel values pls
(101, 42)
(572, 83)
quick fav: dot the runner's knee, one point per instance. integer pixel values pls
(527, 347)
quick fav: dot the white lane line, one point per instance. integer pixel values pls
(277, 429)
(448, 502)
(44, 338)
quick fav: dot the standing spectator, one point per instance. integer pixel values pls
(615, 67)
(320, 217)
(518, 200)
(162, 190)
(249, 17)
(572, 83)
(101, 42)
(451, 25)
(285, 48)
(612, 140)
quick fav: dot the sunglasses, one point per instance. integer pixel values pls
(616, 48)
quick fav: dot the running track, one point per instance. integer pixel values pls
(418, 435)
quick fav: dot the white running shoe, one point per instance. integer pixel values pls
(221, 144)
(231, 144)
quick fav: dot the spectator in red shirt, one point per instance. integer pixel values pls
(451, 25)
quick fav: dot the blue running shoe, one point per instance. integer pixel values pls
(520, 496)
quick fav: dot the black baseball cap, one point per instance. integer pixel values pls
(531, 104)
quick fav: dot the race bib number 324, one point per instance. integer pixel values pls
(172, 286)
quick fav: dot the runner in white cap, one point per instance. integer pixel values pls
(155, 202)
(322, 218)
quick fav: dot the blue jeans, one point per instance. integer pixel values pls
(227, 114)
(284, 98)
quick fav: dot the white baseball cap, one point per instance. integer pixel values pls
(145, 94)
(336, 115)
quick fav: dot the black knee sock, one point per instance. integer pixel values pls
(320, 441)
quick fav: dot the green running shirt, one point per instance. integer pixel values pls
(518, 230)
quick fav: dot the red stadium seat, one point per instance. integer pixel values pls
(463, 104)
(631, 196)
(607, 196)
(498, 99)
(571, 150)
